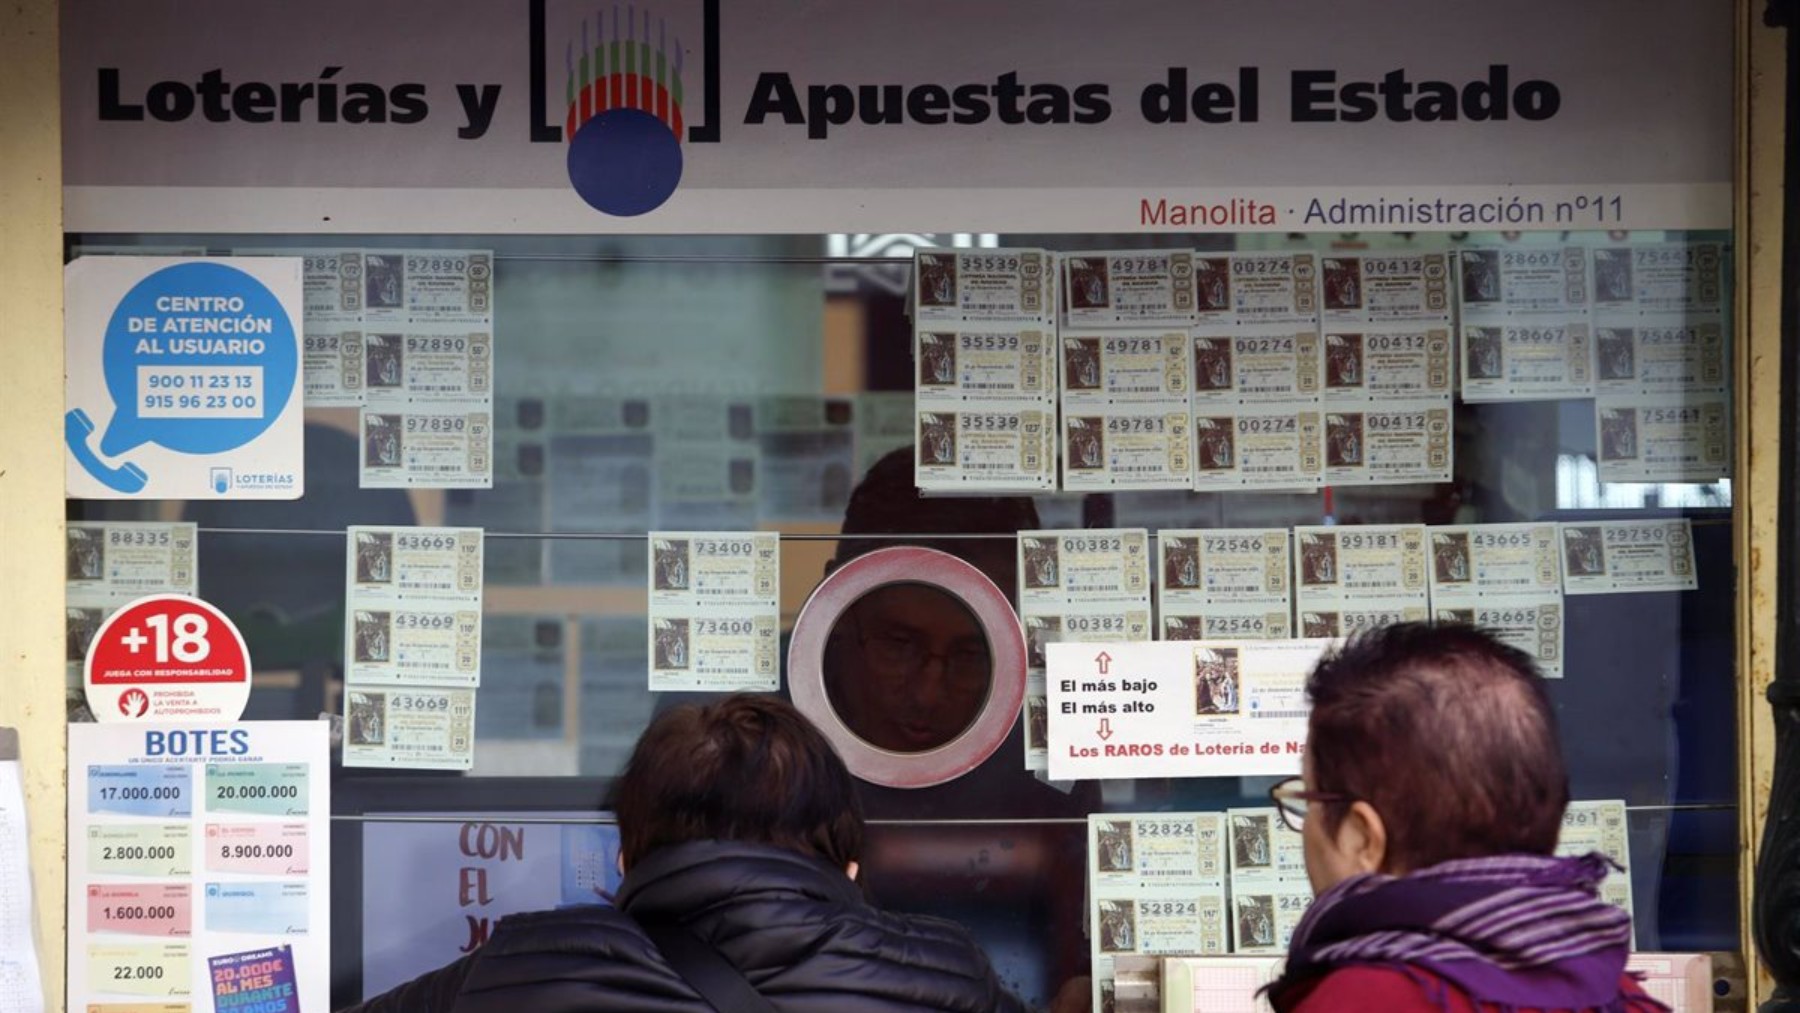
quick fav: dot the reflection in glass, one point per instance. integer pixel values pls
(907, 667)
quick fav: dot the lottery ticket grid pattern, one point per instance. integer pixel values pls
(109, 564)
(428, 580)
(1224, 584)
(714, 597)
(1125, 408)
(1147, 870)
(1099, 577)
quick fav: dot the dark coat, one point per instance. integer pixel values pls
(797, 929)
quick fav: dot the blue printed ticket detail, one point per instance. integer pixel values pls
(266, 908)
(266, 789)
(163, 791)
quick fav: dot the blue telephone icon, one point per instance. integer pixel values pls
(78, 432)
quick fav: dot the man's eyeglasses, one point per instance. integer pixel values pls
(966, 668)
(1292, 801)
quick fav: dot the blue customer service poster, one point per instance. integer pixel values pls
(183, 378)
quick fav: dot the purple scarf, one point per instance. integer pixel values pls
(1515, 931)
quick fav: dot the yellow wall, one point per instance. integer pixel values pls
(31, 483)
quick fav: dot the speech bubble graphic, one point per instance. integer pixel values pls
(199, 358)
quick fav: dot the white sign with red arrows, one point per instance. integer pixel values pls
(1213, 708)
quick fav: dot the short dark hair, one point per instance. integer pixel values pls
(748, 768)
(1448, 733)
(887, 502)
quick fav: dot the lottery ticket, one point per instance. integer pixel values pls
(1470, 562)
(1156, 884)
(1532, 623)
(1263, 917)
(1224, 584)
(1254, 365)
(1125, 447)
(427, 449)
(164, 910)
(1129, 287)
(416, 645)
(1124, 368)
(333, 365)
(118, 561)
(416, 727)
(1532, 360)
(139, 969)
(1397, 361)
(984, 285)
(715, 648)
(1393, 442)
(715, 611)
(1343, 620)
(1339, 568)
(985, 447)
(413, 606)
(414, 564)
(1257, 288)
(1601, 825)
(1614, 557)
(1659, 278)
(1380, 287)
(1683, 438)
(1058, 568)
(261, 789)
(139, 849)
(1505, 283)
(1671, 357)
(428, 286)
(1273, 446)
(1151, 920)
(1261, 850)
(1160, 849)
(1037, 719)
(446, 366)
(332, 285)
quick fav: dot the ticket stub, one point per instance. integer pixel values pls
(1613, 557)
(264, 789)
(332, 283)
(700, 569)
(333, 365)
(258, 908)
(423, 645)
(1684, 438)
(1273, 446)
(1095, 565)
(1397, 442)
(1385, 286)
(1130, 287)
(984, 364)
(1260, 849)
(1045, 625)
(1601, 825)
(1263, 918)
(1257, 288)
(1684, 278)
(1267, 364)
(1531, 623)
(1226, 622)
(1223, 566)
(1128, 448)
(1475, 561)
(987, 447)
(1014, 285)
(444, 450)
(142, 969)
(1125, 367)
(141, 909)
(428, 729)
(428, 286)
(426, 365)
(1131, 849)
(164, 792)
(1343, 620)
(1501, 283)
(1159, 920)
(1671, 357)
(139, 849)
(1348, 566)
(415, 564)
(1394, 362)
(722, 649)
(119, 561)
(257, 849)
(1527, 361)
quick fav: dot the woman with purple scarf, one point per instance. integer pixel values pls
(1430, 806)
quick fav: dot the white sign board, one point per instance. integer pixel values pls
(183, 378)
(1208, 708)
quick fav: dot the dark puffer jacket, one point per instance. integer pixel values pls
(797, 929)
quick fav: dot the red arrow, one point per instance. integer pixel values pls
(1105, 729)
(1103, 659)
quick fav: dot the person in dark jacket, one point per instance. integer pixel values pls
(1430, 807)
(739, 825)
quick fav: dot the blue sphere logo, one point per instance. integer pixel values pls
(625, 162)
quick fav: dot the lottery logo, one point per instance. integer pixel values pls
(624, 122)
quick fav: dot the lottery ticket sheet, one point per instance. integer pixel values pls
(1265, 447)
(1653, 357)
(1130, 287)
(1156, 885)
(1374, 365)
(1377, 288)
(1525, 323)
(1621, 557)
(1267, 878)
(1473, 562)
(1678, 438)
(109, 564)
(416, 727)
(1532, 623)
(1242, 365)
(1347, 579)
(333, 363)
(1601, 825)
(1125, 397)
(1391, 442)
(715, 611)
(1224, 584)
(1251, 289)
